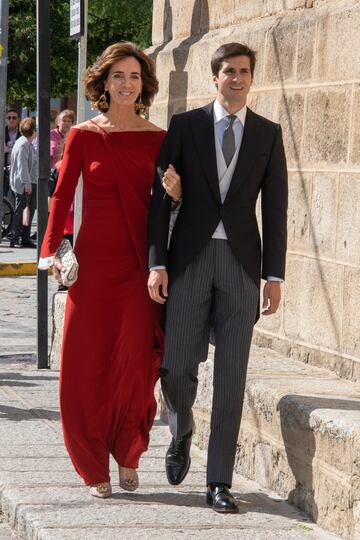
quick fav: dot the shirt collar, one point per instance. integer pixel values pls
(220, 113)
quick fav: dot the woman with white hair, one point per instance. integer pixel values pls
(63, 123)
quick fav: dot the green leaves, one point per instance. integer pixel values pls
(118, 20)
(109, 21)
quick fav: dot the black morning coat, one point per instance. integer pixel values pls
(261, 167)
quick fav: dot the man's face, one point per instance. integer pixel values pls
(234, 80)
(13, 120)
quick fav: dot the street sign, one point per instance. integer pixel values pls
(76, 18)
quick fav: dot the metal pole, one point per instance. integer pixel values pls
(4, 30)
(43, 107)
(80, 113)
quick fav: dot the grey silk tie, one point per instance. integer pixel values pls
(228, 145)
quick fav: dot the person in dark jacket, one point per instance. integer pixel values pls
(226, 156)
(12, 133)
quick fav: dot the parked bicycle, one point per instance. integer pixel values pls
(8, 208)
(8, 215)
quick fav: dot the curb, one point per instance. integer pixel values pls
(9, 269)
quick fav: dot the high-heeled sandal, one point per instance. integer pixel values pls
(126, 481)
(102, 490)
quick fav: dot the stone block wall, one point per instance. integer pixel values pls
(308, 79)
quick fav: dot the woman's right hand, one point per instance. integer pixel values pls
(172, 183)
(57, 268)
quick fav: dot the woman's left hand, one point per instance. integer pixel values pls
(172, 183)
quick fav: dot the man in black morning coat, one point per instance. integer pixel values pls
(225, 155)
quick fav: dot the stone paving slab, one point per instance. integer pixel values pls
(18, 314)
(155, 533)
(17, 254)
(43, 498)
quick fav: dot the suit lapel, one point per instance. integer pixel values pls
(203, 128)
(247, 154)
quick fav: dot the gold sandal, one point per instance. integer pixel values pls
(129, 482)
(102, 490)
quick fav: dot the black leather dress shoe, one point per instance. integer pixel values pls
(219, 497)
(178, 459)
(28, 244)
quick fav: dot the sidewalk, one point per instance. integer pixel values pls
(43, 499)
(16, 261)
(18, 314)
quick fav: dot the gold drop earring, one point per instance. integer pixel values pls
(102, 103)
(139, 106)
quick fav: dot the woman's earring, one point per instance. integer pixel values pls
(139, 106)
(102, 103)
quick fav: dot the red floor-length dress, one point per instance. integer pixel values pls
(112, 338)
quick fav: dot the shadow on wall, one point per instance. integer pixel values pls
(167, 30)
(294, 139)
(178, 79)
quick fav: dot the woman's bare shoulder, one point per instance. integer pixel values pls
(88, 125)
(149, 126)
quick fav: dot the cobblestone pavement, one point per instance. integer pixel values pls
(42, 497)
(18, 314)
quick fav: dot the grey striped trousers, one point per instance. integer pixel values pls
(215, 293)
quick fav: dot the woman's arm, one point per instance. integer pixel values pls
(71, 167)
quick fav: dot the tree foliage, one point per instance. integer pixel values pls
(109, 21)
(118, 20)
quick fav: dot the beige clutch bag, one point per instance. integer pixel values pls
(66, 255)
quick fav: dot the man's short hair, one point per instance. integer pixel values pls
(229, 50)
(27, 126)
(13, 111)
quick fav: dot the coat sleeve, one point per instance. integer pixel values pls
(274, 201)
(25, 160)
(71, 167)
(160, 204)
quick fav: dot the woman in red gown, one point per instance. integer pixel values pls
(112, 339)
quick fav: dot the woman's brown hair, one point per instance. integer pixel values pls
(96, 74)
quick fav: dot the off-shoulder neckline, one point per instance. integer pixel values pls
(124, 131)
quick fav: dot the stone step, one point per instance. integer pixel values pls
(300, 436)
(345, 366)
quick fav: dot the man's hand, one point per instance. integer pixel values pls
(271, 297)
(158, 285)
(28, 189)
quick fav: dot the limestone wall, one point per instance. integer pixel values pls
(308, 79)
